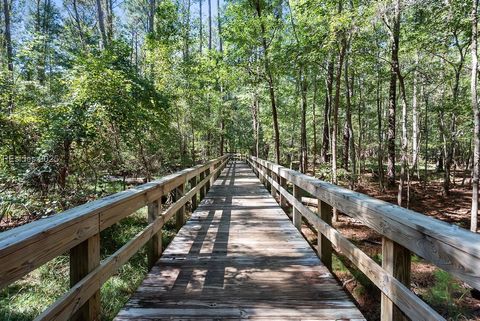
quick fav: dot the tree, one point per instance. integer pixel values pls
(476, 116)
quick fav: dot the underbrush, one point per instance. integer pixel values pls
(28, 297)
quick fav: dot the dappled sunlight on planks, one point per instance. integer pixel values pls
(239, 257)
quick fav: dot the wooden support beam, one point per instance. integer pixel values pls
(324, 246)
(202, 189)
(266, 182)
(273, 189)
(84, 258)
(283, 200)
(396, 260)
(207, 185)
(180, 216)
(155, 244)
(297, 216)
(193, 183)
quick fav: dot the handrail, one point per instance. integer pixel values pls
(27, 247)
(448, 246)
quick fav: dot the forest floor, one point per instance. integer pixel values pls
(448, 296)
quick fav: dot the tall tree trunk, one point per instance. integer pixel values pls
(255, 124)
(379, 131)
(109, 11)
(348, 137)
(201, 26)
(209, 24)
(415, 127)
(78, 23)
(392, 99)
(476, 113)
(303, 129)
(271, 88)
(327, 111)
(219, 22)
(151, 16)
(9, 52)
(347, 128)
(336, 105)
(314, 109)
(101, 23)
(403, 169)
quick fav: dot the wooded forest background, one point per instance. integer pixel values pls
(99, 91)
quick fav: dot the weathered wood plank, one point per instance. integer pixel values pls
(239, 257)
(448, 246)
(405, 299)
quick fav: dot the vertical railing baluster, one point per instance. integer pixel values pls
(84, 258)
(155, 243)
(396, 260)
(324, 246)
(297, 216)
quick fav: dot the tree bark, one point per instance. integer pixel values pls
(303, 129)
(271, 88)
(327, 111)
(336, 105)
(101, 23)
(415, 127)
(219, 22)
(9, 51)
(476, 113)
(392, 99)
(314, 108)
(200, 25)
(151, 16)
(209, 24)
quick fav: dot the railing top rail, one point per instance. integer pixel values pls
(448, 246)
(28, 246)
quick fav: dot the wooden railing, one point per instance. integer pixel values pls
(77, 230)
(447, 246)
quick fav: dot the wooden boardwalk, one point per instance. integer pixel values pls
(239, 257)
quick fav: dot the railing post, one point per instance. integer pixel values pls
(155, 244)
(297, 216)
(180, 216)
(212, 179)
(275, 178)
(283, 201)
(268, 173)
(207, 185)
(84, 258)
(396, 261)
(193, 183)
(324, 246)
(202, 189)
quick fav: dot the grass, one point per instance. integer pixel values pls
(28, 297)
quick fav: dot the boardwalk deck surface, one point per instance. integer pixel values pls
(239, 257)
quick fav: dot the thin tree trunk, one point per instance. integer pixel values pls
(303, 129)
(151, 16)
(336, 105)
(314, 107)
(476, 113)
(101, 24)
(9, 52)
(219, 22)
(327, 112)
(271, 88)
(392, 100)
(379, 131)
(201, 26)
(209, 24)
(415, 127)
